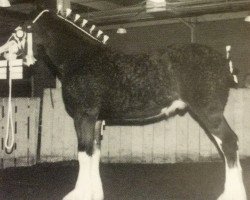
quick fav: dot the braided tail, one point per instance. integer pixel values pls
(233, 71)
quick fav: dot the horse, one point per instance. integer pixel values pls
(99, 83)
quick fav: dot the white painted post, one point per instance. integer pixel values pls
(58, 83)
(64, 3)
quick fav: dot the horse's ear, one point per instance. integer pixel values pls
(4, 3)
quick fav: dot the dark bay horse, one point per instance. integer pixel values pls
(101, 84)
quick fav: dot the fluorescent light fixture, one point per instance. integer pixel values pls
(155, 5)
(4, 3)
(158, 1)
(121, 31)
(247, 18)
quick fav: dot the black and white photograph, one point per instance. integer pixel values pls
(124, 99)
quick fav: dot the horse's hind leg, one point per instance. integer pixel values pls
(88, 185)
(217, 127)
(228, 144)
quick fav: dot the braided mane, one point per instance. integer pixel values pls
(78, 23)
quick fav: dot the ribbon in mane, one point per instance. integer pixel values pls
(100, 37)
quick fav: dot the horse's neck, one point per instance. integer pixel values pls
(64, 44)
(67, 55)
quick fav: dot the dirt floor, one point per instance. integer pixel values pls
(199, 181)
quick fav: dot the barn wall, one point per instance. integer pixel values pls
(26, 123)
(177, 139)
(216, 34)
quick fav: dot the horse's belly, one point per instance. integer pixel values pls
(145, 115)
(134, 113)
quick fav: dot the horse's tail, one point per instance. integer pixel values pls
(233, 79)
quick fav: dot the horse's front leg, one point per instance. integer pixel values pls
(88, 185)
(96, 189)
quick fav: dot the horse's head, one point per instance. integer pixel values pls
(66, 36)
(59, 39)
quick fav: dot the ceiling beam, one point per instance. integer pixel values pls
(98, 5)
(199, 19)
(173, 10)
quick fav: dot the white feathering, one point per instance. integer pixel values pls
(84, 22)
(99, 33)
(92, 28)
(77, 16)
(105, 39)
(59, 8)
(68, 12)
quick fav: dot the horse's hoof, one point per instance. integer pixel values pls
(78, 194)
(97, 190)
(97, 196)
(233, 195)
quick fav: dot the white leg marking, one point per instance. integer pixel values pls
(97, 190)
(234, 187)
(177, 104)
(82, 189)
(219, 142)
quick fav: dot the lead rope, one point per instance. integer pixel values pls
(10, 135)
(9, 144)
(14, 46)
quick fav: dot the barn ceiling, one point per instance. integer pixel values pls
(112, 12)
(107, 12)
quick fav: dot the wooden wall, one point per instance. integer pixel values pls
(58, 140)
(26, 123)
(178, 139)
